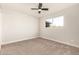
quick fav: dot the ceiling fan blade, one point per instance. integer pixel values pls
(34, 8)
(40, 6)
(46, 9)
(39, 12)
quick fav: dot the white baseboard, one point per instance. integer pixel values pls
(74, 45)
(4, 43)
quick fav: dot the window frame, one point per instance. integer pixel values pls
(54, 20)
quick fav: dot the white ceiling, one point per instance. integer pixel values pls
(26, 8)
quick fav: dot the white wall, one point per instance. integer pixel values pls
(0, 28)
(18, 26)
(69, 34)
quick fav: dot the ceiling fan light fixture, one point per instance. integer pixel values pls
(39, 9)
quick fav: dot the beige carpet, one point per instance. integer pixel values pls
(38, 46)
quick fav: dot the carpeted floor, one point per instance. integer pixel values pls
(38, 46)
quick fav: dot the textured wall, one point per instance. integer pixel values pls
(69, 34)
(18, 26)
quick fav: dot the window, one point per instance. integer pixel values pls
(56, 22)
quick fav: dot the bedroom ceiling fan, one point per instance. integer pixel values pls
(39, 8)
